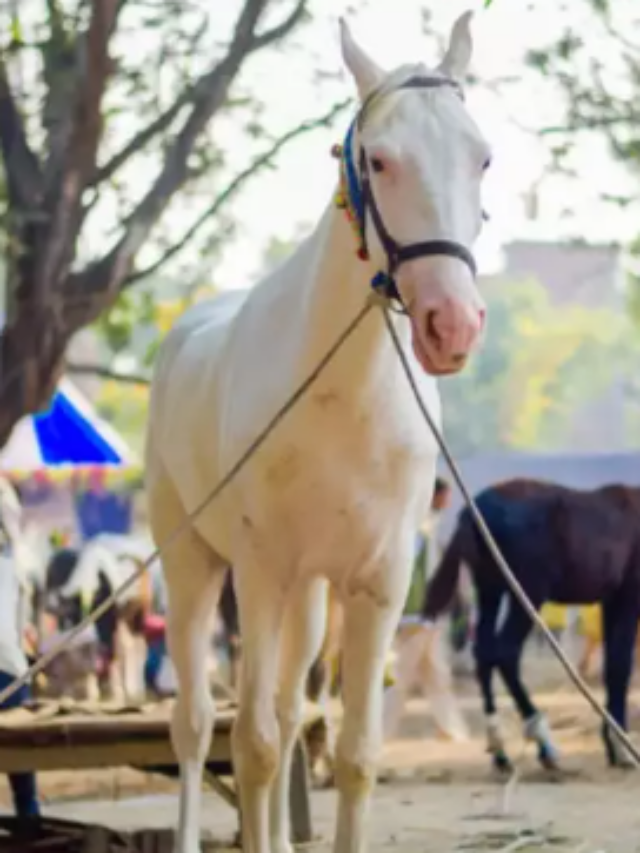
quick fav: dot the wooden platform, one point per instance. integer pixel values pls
(71, 736)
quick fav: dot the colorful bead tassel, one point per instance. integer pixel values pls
(342, 201)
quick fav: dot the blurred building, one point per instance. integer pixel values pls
(584, 274)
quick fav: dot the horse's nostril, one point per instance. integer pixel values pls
(432, 331)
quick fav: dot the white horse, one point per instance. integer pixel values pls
(339, 489)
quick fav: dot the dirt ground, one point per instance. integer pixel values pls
(435, 796)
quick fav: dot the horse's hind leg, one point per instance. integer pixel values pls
(511, 639)
(194, 577)
(303, 631)
(620, 622)
(485, 651)
(319, 690)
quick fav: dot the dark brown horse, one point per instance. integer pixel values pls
(565, 546)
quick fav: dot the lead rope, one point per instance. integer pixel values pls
(383, 303)
(492, 545)
(215, 493)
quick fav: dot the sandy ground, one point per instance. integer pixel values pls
(436, 796)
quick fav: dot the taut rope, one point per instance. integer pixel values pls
(383, 303)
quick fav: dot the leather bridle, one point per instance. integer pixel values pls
(362, 203)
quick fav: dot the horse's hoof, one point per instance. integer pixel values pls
(618, 755)
(550, 763)
(620, 759)
(548, 757)
(501, 762)
(624, 766)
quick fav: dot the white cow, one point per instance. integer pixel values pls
(339, 489)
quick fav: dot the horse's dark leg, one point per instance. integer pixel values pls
(620, 624)
(485, 649)
(106, 629)
(511, 640)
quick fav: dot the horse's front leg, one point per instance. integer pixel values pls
(485, 652)
(511, 639)
(373, 607)
(257, 732)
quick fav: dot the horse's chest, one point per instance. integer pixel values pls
(332, 474)
(351, 457)
(334, 489)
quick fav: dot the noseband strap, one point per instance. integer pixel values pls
(358, 197)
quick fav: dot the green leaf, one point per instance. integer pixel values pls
(16, 30)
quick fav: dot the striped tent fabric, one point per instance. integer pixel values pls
(68, 435)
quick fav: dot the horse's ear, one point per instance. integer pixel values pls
(366, 73)
(458, 56)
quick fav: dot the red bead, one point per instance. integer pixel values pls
(363, 254)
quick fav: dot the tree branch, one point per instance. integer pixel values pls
(632, 46)
(99, 283)
(22, 169)
(59, 66)
(103, 372)
(584, 123)
(141, 139)
(238, 182)
(281, 30)
(64, 196)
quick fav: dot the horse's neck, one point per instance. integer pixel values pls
(335, 287)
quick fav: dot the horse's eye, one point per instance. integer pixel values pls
(377, 165)
(486, 164)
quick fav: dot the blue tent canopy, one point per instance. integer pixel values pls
(69, 434)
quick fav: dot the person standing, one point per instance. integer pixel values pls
(425, 556)
(13, 660)
(421, 656)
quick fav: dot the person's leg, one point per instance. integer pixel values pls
(25, 794)
(152, 665)
(23, 785)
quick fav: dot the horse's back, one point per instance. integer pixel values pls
(580, 541)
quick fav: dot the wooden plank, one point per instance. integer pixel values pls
(97, 839)
(75, 741)
(20, 728)
(21, 759)
(72, 730)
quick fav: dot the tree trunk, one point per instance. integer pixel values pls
(31, 354)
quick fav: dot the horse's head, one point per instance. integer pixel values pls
(417, 160)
